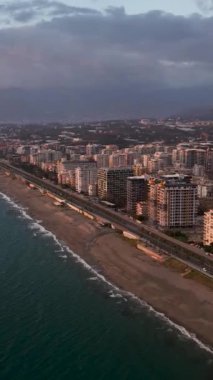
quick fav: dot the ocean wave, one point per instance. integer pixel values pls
(113, 294)
(63, 256)
(115, 290)
(17, 207)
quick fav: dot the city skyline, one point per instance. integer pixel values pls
(144, 186)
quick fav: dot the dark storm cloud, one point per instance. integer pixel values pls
(112, 55)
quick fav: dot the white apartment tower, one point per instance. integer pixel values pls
(86, 180)
(173, 203)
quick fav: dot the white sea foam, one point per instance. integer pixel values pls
(98, 276)
(16, 206)
(113, 294)
(64, 257)
(60, 250)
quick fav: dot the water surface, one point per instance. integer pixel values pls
(58, 321)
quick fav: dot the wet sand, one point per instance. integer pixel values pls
(184, 301)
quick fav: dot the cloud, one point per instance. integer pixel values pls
(112, 57)
(84, 49)
(116, 11)
(205, 6)
(26, 11)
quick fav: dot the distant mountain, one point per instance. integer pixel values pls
(62, 104)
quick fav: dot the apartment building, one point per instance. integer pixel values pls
(209, 163)
(137, 191)
(92, 149)
(117, 160)
(208, 228)
(172, 202)
(112, 184)
(102, 160)
(86, 179)
(66, 171)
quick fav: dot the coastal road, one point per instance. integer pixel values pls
(184, 252)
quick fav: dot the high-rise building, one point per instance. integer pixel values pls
(142, 209)
(198, 170)
(86, 179)
(209, 163)
(112, 184)
(208, 228)
(45, 155)
(92, 149)
(102, 160)
(133, 157)
(138, 169)
(153, 165)
(172, 202)
(137, 191)
(117, 160)
(109, 149)
(67, 169)
(193, 156)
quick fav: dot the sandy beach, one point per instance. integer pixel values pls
(184, 301)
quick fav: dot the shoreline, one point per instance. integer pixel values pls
(122, 265)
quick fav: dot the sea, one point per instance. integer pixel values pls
(62, 320)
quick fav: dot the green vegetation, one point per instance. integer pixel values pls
(200, 278)
(142, 218)
(188, 273)
(175, 265)
(179, 235)
(209, 248)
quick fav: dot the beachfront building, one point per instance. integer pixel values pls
(112, 184)
(208, 228)
(172, 202)
(66, 171)
(137, 191)
(86, 179)
(142, 209)
(44, 155)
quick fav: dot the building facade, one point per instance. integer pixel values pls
(112, 184)
(208, 228)
(137, 191)
(86, 180)
(173, 203)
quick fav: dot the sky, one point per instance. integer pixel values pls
(184, 7)
(91, 59)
